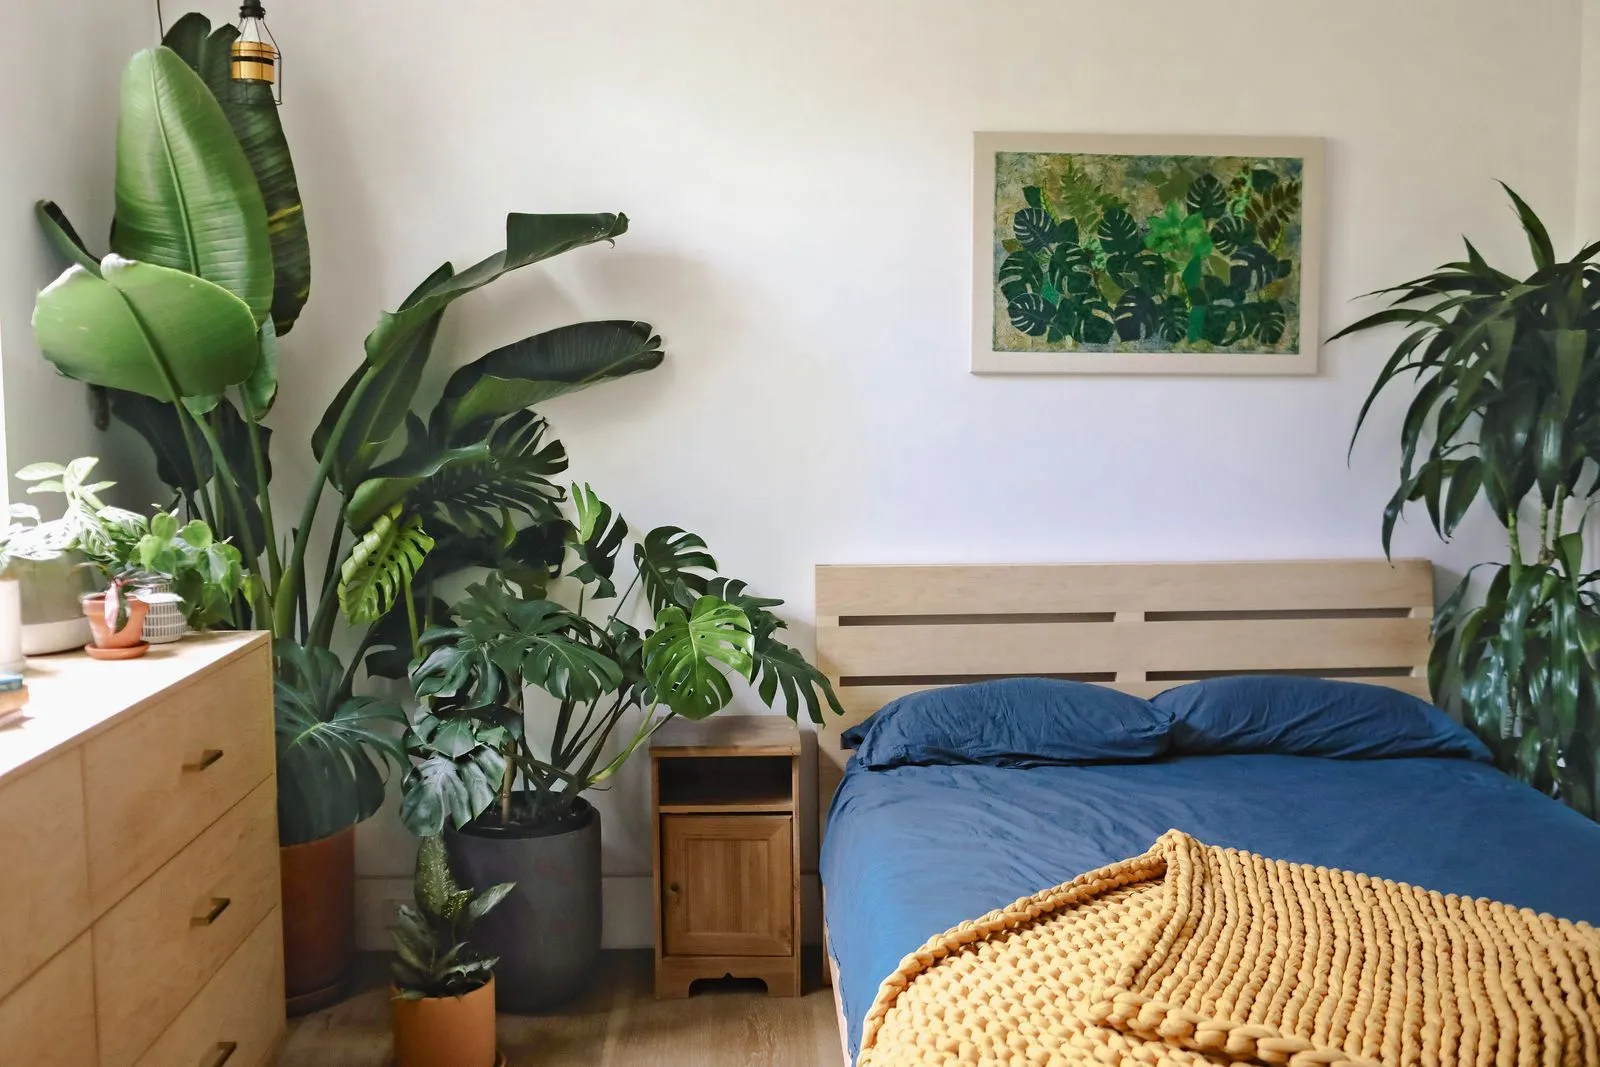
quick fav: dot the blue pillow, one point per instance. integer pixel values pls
(1012, 722)
(1299, 716)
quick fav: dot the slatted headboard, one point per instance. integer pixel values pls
(884, 631)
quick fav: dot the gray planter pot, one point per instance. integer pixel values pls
(547, 932)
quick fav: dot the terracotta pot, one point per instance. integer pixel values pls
(445, 1031)
(131, 634)
(319, 919)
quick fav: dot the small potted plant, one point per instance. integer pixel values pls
(25, 539)
(145, 562)
(443, 991)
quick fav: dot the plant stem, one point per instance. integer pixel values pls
(506, 782)
(230, 488)
(1561, 504)
(322, 623)
(1516, 543)
(411, 620)
(295, 567)
(264, 499)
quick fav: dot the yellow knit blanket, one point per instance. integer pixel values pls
(1191, 955)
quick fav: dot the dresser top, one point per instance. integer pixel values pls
(72, 697)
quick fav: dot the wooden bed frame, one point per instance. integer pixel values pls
(885, 631)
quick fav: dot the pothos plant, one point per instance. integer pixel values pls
(567, 634)
(1506, 409)
(177, 330)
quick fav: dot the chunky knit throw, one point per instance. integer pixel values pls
(1192, 955)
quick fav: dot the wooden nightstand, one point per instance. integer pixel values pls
(725, 805)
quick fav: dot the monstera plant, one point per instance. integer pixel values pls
(508, 787)
(1506, 409)
(177, 329)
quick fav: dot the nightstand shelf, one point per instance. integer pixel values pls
(725, 797)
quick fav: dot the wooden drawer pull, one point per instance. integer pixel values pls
(224, 1053)
(218, 906)
(207, 758)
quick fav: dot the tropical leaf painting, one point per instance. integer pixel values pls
(1147, 253)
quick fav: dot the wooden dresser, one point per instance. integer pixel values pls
(139, 912)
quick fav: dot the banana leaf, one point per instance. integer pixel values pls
(258, 125)
(543, 367)
(146, 329)
(186, 197)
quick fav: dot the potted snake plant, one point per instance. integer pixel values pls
(443, 989)
(504, 780)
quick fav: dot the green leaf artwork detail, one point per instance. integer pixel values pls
(1123, 253)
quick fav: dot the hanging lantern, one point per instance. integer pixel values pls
(257, 63)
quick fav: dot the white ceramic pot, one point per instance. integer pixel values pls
(11, 659)
(52, 615)
(164, 623)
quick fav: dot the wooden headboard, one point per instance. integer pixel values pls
(884, 631)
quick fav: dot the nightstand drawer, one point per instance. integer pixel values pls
(237, 1019)
(156, 949)
(44, 879)
(49, 1020)
(728, 885)
(155, 782)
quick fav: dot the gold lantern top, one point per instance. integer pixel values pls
(256, 58)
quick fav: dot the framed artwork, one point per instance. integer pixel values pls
(1109, 254)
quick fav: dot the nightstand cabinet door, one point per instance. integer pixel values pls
(728, 885)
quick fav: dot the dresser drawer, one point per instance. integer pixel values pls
(49, 1020)
(154, 951)
(154, 782)
(237, 1020)
(44, 881)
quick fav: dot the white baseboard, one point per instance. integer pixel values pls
(626, 905)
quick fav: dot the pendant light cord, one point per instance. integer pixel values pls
(161, 20)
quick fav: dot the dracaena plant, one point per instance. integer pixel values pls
(1506, 408)
(178, 330)
(593, 667)
(432, 938)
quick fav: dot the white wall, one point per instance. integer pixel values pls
(59, 79)
(799, 179)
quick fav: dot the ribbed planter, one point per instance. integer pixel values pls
(319, 919)
(164, 623)
(547, 932)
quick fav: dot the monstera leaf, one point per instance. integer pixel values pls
(147, 329)
(443, 792)
(256, 123)
(776, 667)
(543, 367)
(331, 749)
(381, 565)
(671, 566)
(684, 659)
(1207, 197)
(1034, 228)
(470, 487)
(1031, 314)
(186, 196)
(596, 540)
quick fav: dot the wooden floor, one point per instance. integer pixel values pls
(617, 1024)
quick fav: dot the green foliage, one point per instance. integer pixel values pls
(1506, 407)
(328, 743)
(382, 564)
(432, 939)
(1209, 270)
(467, 741)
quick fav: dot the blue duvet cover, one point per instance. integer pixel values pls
(912, 851)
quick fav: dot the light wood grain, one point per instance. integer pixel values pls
(729, 880)
(618, 1023)
(44, 875)
(74, 698)
(1055, 588)
(156, 949)
(885, 631)
(49, 1020)
(154, 782)
(1079, 648)
(228, 1011)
